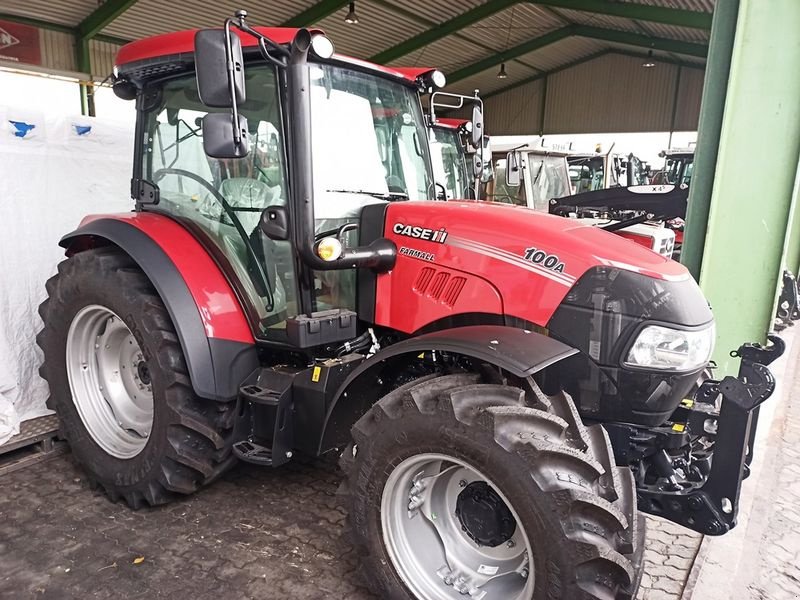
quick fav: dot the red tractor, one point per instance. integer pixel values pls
(505, 387)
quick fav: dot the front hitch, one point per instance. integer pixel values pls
(710, 506)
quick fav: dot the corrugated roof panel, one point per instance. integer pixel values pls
(690, 93)
(697, 5)
(102, 55)
(516, 112)
(437, 12)
(448, 54)
(58, 50)
(596, 97)
(513, 26)
(657, 54)
(150, 17)
(378, 29)
(563, 53)
(580, 17)
(62, 12)
(487, 81)
(688, 34)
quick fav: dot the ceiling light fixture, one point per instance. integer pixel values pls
(649, 63)
(352, 17)
(501, 74)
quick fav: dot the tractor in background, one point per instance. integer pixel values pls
(506, 389)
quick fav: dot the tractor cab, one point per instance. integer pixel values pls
(449, 158)
(678, 166)
(365, 129)
(590, 171)
(528, 174)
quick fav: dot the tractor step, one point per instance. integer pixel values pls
(265, 429)
(253, 453)
(260, 395)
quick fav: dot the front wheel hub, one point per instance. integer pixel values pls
(484, 516)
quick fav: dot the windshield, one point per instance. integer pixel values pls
(587, 173)
(543, 178)
(678, 170)
(449, 163)
(368, 141)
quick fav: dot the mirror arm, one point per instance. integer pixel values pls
(237, 134)
(382, 253)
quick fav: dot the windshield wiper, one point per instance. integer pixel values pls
(380, 195)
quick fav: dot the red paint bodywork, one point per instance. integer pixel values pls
(222, 315)
(452, 123)
(182, 42)
(485, 245)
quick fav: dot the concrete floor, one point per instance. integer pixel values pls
(257, 533)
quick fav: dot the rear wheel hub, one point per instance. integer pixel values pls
(484, 516)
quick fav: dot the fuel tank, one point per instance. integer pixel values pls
(473, 262)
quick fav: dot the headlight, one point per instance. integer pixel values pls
(659, 347)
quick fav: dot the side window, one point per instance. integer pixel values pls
(225, 197)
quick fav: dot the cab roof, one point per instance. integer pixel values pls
(172, 51)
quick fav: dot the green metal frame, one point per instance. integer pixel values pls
(100, 37)
(597, 33)
(100, 18)
(639, 12)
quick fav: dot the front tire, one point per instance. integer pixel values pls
(459, 487)
(119, 383)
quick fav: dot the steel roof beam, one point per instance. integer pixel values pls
(643, 41)
(597, 33)
(102, 16)
(629, 10)
(314, 14)
(492, 61)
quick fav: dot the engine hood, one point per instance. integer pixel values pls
(529, 260)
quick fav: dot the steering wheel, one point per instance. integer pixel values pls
(231, 213)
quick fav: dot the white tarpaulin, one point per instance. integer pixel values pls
(53, 172)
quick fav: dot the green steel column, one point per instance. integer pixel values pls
(85, 66)
(755, 175)
(718, 65)
(791, 249)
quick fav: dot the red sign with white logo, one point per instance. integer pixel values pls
(20, 43)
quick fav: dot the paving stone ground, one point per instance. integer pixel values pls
(760, 559)
(257, 533)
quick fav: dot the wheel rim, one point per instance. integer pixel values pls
(109, 381)
(434, 540)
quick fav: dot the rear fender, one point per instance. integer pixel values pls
(520, 352)
(216, 339)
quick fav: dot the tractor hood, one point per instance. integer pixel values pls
(520, 263)
(472, 262)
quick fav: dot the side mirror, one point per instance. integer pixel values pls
(513, 169)
(477, 165)
(477, 124)
(219, 136)
(215, 83)
(275, 223)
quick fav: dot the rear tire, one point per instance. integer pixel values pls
(185, 441)
(571, 507)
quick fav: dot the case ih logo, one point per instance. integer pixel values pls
(421, 233)
(7, 40)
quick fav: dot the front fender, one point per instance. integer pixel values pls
(216, 339)
(518, 351)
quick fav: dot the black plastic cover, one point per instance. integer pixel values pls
(320, 328)
(601, 316)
